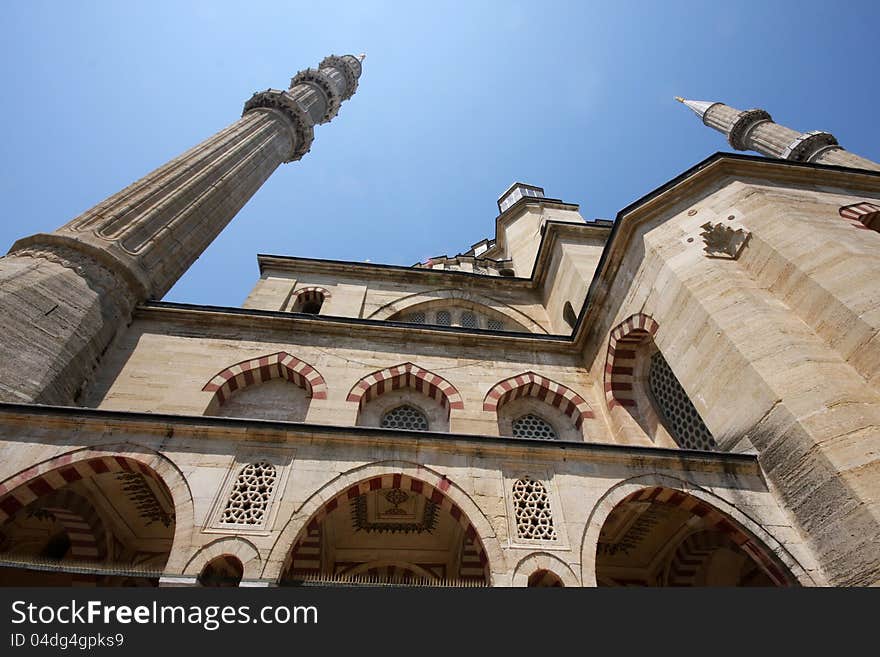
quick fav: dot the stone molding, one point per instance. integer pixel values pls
(300, 123)
(744, 124)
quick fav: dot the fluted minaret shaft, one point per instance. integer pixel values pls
(754, 130)
(136, 244)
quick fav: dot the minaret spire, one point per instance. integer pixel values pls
(698, 107)
(64, 295)
(754, 130)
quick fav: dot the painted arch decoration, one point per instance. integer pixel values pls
(406, 375)
(280, 365)
(535, 385)
(621, 359)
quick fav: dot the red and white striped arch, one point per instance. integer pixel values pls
(621, 359)
(406, 375)
(279, 365)
(35, 483)
(305, 295)
(862, 215)
(715, 520)
(530, 384)
(305, 557)
(84, 527)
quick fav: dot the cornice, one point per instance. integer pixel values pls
(289, 323)
(167, 426)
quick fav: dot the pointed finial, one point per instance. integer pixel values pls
(362, 56)
(698, 107)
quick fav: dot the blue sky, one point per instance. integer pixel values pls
(457, 100)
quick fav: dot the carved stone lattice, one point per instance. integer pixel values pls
(532, 426)
(405, 417)
(531, 503)
(250, 496)
(682, 419)
(723, 241)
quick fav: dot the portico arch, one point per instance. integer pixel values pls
(358, 490)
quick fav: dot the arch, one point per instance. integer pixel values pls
(223, 570)
(53, 474)
(569, 315)
(691, 555)
(724, 514)
(620, 361)
(304, 559)
(535, 385)
(236, 546)
(393, 570)
(301, 527)
(862, 215)
(543, 561)
(265, 368)
(301, 298)
(406, 375)
(411, 301)
(84, 527)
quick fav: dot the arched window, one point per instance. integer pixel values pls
(469, 320)
(417, 317)
(681, 418)
(225, 570)
(544, 578)
(531, 504)
(532, 426)
(250, 495)
(862, 215)
(309, 300)
(444, 318)
(569, 315)
(405, 417)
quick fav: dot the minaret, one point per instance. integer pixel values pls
(64, 295)
(754, 130)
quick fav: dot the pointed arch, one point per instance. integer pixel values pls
(718, 513)
(535, 385)
(280, 365)
(296, 534)
(479, 301)
(303, 557)
(406, 375)
(862, 215)
(305, 296)
(55, 473)
(83, 525)
(620, 360)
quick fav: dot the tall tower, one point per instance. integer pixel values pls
(65, 294)
(754, 130)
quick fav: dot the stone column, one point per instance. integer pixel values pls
(64, 295)
(754, 130)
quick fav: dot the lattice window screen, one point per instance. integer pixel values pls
(532, 426)
(250, 495)
(405, 417)
(682, 419)
(531, 504)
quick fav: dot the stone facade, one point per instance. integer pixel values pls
(685, 396)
